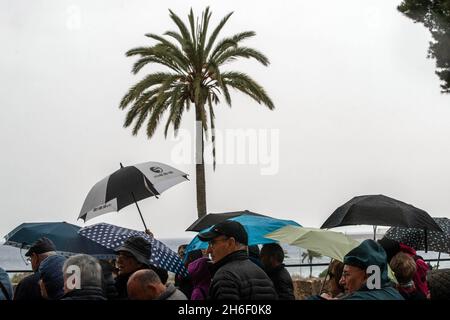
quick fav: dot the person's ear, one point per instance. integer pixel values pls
(231, 241)
(152, 292)
(273, 261)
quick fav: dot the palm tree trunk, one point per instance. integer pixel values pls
(200, 166)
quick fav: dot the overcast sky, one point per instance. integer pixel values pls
(358, 110)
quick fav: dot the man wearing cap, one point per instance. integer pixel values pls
(28, 288)
(235, 277)
(132, 256)
(365, 274)
(51, 277)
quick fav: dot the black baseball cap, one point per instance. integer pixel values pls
(41, 245)
(227, 228)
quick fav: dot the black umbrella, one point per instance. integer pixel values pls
(214, 218)
(413, 237)
(379, 210)
(129, 185)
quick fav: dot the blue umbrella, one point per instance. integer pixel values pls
(112, 237)
(256, 226)
(64, 235)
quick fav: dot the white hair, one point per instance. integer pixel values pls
(90, 269)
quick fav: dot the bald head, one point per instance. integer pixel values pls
(145, 285)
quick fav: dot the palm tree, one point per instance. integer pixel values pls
(310, 255)
(195, 77)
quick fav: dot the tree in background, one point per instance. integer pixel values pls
(310, 255)
(194, 60)
(435, 15)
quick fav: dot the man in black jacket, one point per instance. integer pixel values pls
(28, 288)
(272, 256)
(235, 277)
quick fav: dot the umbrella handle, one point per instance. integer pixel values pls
(426, 240)
(148, 232)
(139, 210)
(325, 280)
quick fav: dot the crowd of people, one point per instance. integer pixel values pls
(228, 270)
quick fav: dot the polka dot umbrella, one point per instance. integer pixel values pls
(112, 237)
(415, 238)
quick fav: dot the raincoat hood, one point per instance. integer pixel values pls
(369, 253)
(199, 270)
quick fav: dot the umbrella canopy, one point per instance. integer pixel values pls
(112, 237)
(129, 185)
(64, 235)
(380, 210)
(214, 218)
(257, 226)
(415, 238)
(328, 243)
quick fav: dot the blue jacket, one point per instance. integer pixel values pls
(4, 279)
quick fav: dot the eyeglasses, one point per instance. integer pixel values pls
(213, 242)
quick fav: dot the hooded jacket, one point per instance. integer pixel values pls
(370, 253)
(172, 293)
(200, 277)
(51, 272)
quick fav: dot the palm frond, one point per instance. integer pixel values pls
(215, 33)
(233, 53)
(192, 25)
(175, 107)
(157, 113)
(203, 31)
(137, 107)
(230, 42)
(146, 83)
(247, 85)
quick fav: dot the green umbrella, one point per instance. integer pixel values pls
(328, 243)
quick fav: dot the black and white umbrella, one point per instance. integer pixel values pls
(129, 185)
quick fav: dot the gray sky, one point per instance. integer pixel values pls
(358, 110)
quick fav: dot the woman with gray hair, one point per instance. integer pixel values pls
(82, 278)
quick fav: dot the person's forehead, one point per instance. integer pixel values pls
(219, 236)
(349, 268)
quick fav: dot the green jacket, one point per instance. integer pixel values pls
(366, 254)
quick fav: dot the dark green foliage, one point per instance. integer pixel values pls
(194, 60)
(435, 15)
(194, 77)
